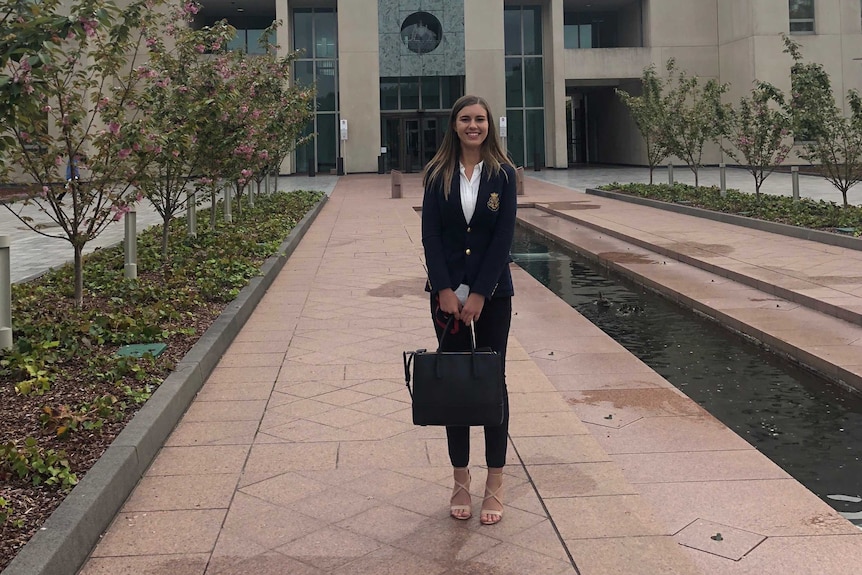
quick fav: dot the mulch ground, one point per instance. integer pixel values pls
(21, 416)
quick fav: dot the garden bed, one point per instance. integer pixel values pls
(66, 395)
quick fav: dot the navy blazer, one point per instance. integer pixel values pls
(476, 254)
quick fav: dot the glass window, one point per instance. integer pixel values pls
(533, 85)
(452, 89)
(430, 93)
(325, 35)
(302, 33)
(514, 82)
(512, 30)
(570, 36)
(586, 36)
(327, 142)
(303, 72)
(801, 16)
(305, 151)
(409, 93)
(515, 140)
(326, 85)
(253, 42)
(237, 42)
(535, 123)
(388, 93)
(533, 30)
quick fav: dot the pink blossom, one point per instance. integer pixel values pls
(175, 153)
(216, 45)
(114, 127)
(25, 136)
(151, 42)
(200, 49)
(246, 173)
(243, 109)
(124, 153)
(46, 108)
(191, 8)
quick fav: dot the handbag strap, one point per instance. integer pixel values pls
(408, 359)
(446, 330)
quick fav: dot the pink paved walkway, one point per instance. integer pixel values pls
(299, 457)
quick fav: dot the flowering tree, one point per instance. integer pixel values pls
(27, 29)
(758, 131)
(695, 115)
(828, 138)
(176, 106)
(287, 108)
(72, 114)
(649, 115)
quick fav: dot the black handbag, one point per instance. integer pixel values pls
(457, 388)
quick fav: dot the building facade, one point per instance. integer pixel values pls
(387, 71)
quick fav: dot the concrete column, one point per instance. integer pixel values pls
(131, 244)
(722, 170)
(670, 173)
(556, 140)
(484, 56)
(284, 39)
(359, 84)
(5, 294)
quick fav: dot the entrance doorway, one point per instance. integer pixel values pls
(411, 140)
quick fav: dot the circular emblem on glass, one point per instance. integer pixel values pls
(421, 32)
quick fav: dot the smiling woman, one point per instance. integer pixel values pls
(468, 220)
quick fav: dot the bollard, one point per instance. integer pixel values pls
(339, 166)
(396, 184)
(228, 214)
(794, 174)
(191, 214)
(519, 181)
(670, 173)
(131, 244)
(266, 183)
(311, 172)
(537, 158)
(380, 165)
(5, 294)
(213, 198)
(722, 170)
(251, 194)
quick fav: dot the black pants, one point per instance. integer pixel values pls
(492, 330)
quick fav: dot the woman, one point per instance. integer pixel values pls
(468, 220)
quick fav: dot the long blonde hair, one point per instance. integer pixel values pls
(441, 169)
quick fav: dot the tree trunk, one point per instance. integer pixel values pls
(212, 211)
(79, 275)
(651, 169)
(165, 233)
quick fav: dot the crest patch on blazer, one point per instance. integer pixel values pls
(494, 202)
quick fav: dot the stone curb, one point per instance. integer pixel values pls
(66, 539)
(773, 227)
(790, 295)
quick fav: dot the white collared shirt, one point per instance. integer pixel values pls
(470, 190)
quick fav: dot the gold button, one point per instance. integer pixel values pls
(467, 252)
(468, 229)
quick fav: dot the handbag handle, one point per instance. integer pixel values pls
(472, 349)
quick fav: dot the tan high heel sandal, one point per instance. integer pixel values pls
(459, 487)
(495, 515)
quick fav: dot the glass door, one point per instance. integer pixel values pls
(411, 141)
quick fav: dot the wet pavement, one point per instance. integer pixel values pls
(299, 456)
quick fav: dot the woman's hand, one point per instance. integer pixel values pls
(449, 302)
(472, 308)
